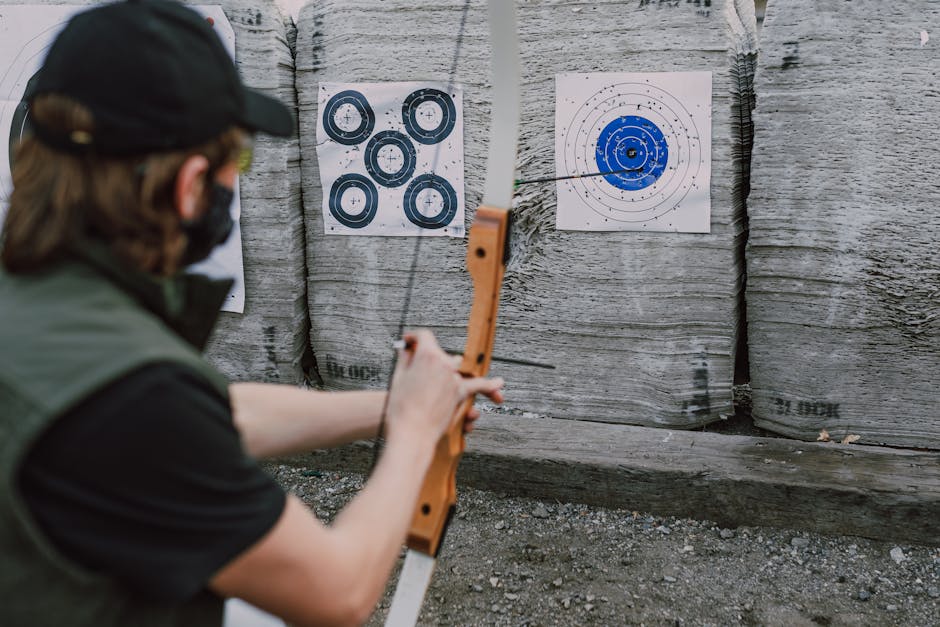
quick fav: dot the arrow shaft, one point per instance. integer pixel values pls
(551, 179)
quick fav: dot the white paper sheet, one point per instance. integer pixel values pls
(26, 32)
(391, 158)
(643, 140)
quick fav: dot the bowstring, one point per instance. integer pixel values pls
(378, 443)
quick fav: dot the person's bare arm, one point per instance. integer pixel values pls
(275, 420)
(307, 573)
(310, 574)
(278, 420)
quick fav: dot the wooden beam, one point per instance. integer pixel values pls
(882, 493)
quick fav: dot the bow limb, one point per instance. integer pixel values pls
(486, 257)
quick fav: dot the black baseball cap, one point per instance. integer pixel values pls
(155, 76)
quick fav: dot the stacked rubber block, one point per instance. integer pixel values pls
(641, 327)
(269, 340)
(843, 298)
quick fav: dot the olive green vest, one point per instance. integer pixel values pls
(64, 334)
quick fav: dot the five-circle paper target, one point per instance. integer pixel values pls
(26, 33)
(633, 152)
(391, 158)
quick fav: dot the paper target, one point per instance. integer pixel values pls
(26, 33)
(633, 152)
(19, 125)
(354, 200)
(430, 202)
(348, 118)
(391, 158)
(429, 115)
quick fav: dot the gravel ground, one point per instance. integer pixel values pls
(516, 561)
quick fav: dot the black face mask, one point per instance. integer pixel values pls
(210, 229)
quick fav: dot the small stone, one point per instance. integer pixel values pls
(669, 579)
(664, 529)
(897, 554)
(589, 598)
(933, 592)
(726, 534)
(494, 608)
(799, 543)
(510, 596)
(588, 607)
(566, 602)
(864, 595)
(494, 581)
(891, 608)
(540, 512)
(501, 525)
(557, 583)
(477, 587)
(688, 549)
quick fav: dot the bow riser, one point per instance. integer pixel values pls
(486, 253)
(485, 262)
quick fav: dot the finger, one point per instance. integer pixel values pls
(406, 348)
(422, 338)
(471, 420)
(491, 388)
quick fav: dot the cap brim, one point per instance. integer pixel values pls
(267, 115)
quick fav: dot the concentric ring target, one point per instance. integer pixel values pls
(429, 115)
(430, 202)
(634, 150)
(354, 200)
(20, 125)
(627, 126)
(390, 158)
(348, 118)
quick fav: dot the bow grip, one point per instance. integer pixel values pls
(486, 263)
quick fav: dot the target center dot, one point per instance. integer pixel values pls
(429, 115)
(347, 118)
(391, 158)
(429, 203)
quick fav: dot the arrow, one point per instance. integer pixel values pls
(551, 179)
(400, 344)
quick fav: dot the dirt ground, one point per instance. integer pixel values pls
(516, 561)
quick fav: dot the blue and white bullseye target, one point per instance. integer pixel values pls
(633, 152)
(391, 158)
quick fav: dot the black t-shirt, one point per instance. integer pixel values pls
(147, 481)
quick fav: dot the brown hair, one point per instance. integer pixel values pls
(59, 198)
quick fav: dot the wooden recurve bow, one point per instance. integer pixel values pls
(487, 249)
